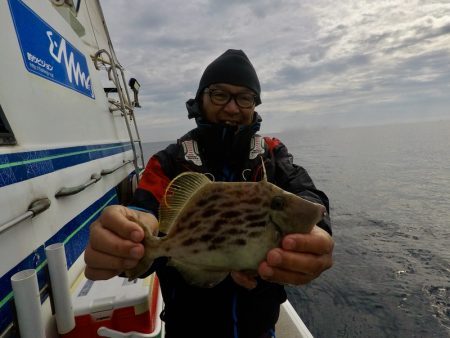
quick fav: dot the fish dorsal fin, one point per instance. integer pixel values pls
(178, 193)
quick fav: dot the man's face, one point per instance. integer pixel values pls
(229, 113)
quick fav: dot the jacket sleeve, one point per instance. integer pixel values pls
(295, 179)
(152, 184)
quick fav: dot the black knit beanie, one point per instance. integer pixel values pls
(232, 67)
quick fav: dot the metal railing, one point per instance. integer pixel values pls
(123, 104)
(35, 208)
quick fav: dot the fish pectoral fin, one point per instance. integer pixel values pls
(199, 277)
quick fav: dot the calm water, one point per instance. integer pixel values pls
(389, 188)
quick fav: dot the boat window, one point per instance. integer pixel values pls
(6, 134)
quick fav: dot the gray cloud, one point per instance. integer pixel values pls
(293, 75)
(320, 62)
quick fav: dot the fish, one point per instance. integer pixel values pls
(214, 228)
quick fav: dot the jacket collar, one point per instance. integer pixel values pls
(223, 145)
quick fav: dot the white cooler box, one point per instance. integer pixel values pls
(116, 305)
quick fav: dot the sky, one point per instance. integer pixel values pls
(321, 63)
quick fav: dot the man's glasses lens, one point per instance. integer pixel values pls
(219, 97)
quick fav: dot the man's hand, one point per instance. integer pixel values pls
(301, 258)
(115, 242)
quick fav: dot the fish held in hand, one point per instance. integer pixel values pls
(214, 228)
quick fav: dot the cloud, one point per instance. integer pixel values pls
(318, 61)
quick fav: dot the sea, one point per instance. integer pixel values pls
(389, 191)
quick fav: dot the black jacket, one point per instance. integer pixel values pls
(226, 310)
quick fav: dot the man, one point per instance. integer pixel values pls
(224, 145)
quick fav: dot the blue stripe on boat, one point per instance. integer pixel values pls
(18, 167)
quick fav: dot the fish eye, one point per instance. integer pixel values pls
(277, 203)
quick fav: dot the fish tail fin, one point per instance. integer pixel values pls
(151, 244)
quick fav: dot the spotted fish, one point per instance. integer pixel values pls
(214, 228)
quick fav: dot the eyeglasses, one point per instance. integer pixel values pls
(221, 98)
